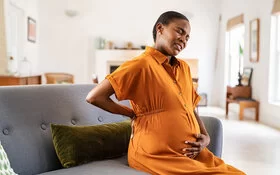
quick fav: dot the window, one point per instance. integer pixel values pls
(234, 53)
(274, 78)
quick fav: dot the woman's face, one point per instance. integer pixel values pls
(171, 39)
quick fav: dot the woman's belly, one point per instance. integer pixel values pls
(164, 132)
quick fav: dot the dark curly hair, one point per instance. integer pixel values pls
(165, 18)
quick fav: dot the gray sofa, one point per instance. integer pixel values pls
(25, 116)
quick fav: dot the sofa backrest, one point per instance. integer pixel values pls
(25, 116)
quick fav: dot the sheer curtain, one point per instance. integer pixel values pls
(3, 50)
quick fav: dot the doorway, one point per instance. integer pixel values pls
(15, 35)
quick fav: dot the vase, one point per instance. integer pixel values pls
(24, 67)
(12, 69)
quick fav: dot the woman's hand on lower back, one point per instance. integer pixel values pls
(100, 97)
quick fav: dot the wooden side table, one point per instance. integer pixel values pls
(242, 96)
(9, 80)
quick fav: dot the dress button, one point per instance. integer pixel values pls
(185, 105)
(180, 93)
(175, 81)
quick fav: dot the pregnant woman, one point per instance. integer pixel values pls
(168, 137)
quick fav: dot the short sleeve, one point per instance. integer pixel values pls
(125, 79)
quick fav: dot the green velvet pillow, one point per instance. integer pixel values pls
(75, 145)
(5, 167)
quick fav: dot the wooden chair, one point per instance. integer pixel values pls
(242, 95)
(59, 78)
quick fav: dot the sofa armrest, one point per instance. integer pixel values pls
(214, 128)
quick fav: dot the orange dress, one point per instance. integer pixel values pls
(163, 99)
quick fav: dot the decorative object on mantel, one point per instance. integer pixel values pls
(109, 45)
(254, 40)
(31, 32)
(125, 48)
(101, 43)
(24, 67)
(129, 45)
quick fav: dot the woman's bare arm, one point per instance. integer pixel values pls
(100, 97)
(202, 127)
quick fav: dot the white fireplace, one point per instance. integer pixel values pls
(108, 60)
(113, 65)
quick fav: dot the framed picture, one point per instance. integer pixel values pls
(246, 76)
(254, 40)
(31, 31)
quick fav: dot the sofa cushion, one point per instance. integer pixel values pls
(77, 145)
(117, 166)
(5, 167)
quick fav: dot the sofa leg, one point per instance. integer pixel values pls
(257, 111)
(226, 110)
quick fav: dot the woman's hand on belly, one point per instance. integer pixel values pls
(202, 141)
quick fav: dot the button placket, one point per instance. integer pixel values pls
(180, 94)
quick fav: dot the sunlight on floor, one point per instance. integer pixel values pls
(248, 145)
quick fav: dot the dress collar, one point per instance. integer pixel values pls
(160, 57)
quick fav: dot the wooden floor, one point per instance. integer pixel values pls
(249, 146)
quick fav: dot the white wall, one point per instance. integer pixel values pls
(252, 9)
(68, 44)
(30, 50)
